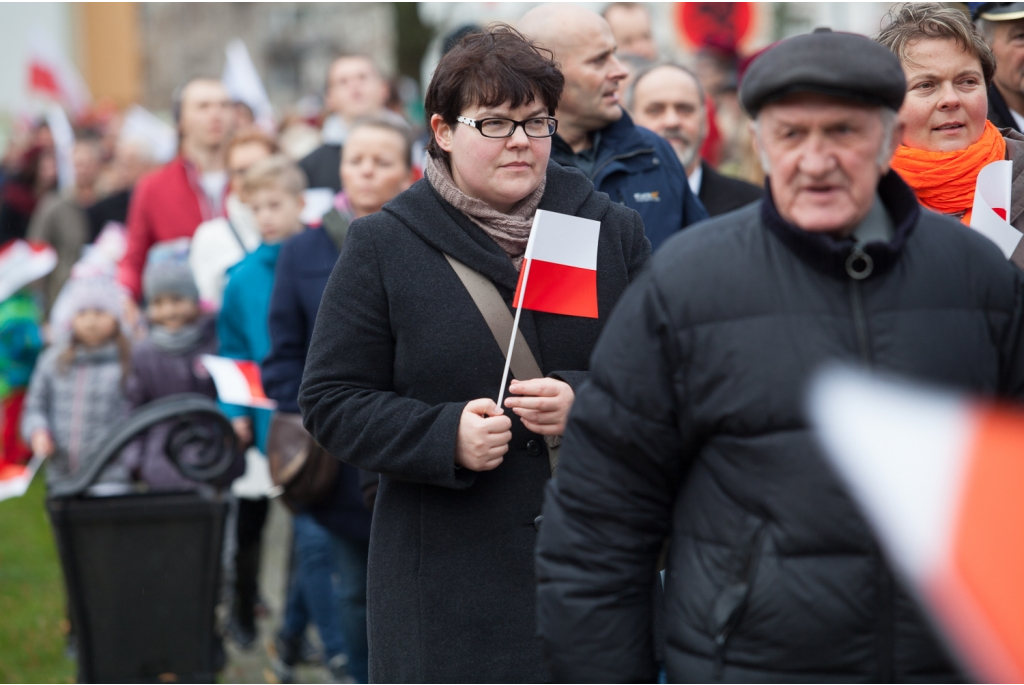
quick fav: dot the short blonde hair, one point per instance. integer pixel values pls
(912, 22)
(276, 172)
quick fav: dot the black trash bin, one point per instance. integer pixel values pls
(142, 570)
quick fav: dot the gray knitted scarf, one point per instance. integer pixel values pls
(510, 231)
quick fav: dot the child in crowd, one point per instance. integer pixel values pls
(20, 338)
(76, 395)
(165, 362)
(273, 189)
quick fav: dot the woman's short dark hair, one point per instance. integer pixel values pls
(489, 68)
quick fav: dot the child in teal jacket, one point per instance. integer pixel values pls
(273, 189)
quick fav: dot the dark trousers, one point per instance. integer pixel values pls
(252, 516)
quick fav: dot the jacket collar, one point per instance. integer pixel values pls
(998, 110)
(425, 212)
(617, 138)
(830, 255)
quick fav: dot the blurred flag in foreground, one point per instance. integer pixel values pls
(237, 381)
(990, 215)
(941, 479)
(560, 266)
(15, 478)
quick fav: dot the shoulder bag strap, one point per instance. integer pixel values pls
(234, 232)
(499, 320)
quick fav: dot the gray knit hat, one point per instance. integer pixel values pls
(169, 277)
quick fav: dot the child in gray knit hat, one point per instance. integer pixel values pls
(165, 362)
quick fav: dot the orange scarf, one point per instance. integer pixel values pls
(945, 181)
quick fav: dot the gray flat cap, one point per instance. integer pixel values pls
(845, 65)
(997, 11)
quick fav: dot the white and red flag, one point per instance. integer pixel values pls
(15, 478)
(990, 215)
(237, 381)
(22, 262)
(560, 266)
(51, 75)
(941, 479)
(559, 272)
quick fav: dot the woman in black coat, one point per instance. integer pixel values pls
(403, 369)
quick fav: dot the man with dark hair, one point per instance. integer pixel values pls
(668, 99)
(692, 428)
(172, 201)
(1002, 25)
(631, 164)
(355, 90)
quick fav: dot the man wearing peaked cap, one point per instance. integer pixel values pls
(1002, 24)
(690, 441)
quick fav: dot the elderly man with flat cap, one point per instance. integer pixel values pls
(1002, 24)
(691, 430)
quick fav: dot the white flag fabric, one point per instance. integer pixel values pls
(51, 75)
(63, 145)
(143, 127)
(991, 212)
(15, 479)
(243, 84)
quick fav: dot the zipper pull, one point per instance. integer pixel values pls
(859, 264)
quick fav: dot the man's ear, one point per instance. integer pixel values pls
(442, 132)
(894, 142)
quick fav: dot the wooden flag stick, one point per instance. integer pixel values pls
(515, 329)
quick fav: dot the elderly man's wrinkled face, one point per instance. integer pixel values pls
(825, 157)
(1008, 47)
(667, 101)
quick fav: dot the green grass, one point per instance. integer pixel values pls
(31, 594)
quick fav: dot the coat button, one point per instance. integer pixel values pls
(533, 448)
(537, 521)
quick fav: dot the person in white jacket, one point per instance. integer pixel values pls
(221, 243)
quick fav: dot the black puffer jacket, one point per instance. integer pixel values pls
(691, 427)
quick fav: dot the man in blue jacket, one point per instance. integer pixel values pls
(634, 166)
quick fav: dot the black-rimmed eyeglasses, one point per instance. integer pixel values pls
(498, 127)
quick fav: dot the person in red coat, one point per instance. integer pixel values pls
(172, 201)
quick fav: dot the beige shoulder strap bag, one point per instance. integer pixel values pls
(499, 319)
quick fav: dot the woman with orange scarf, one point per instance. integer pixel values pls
(947, 138)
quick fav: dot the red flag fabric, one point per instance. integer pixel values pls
(559, 272)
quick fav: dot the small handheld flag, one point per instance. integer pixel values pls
(561, 258)
(940, 478)
(990, 215)
(237, 381)
(15, 478)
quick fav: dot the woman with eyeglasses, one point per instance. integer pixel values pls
(403, 370)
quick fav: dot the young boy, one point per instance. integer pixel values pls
(273, 189)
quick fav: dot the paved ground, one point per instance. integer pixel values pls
(254, 666)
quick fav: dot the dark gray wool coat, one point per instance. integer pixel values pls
(692, 427)
(398, 350)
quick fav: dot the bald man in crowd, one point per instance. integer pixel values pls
(632, 165)
(668, 99)
(172, 201)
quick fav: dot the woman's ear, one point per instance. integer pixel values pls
(442, 132)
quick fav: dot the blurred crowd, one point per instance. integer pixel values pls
(120, 270)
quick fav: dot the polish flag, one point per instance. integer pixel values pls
(51, 75)
(15, 478)
(560, 266)
(990, 214)
(22, 262)
(237, 381)
(941, 479)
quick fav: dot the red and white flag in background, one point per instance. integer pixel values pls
(237, 381)
(15, 478)
(941, 479)
(559, 272)
(990, 215)
(22, 262)
(51, 75)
